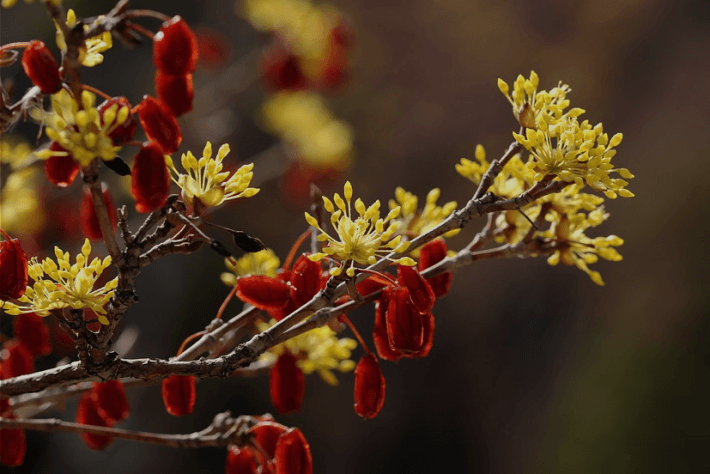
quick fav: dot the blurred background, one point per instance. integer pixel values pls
(534, 368)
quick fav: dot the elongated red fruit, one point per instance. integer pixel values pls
(87, 413)
(263, 292)
(41, 67)
(240, 461)
(111, 399)
(12, 444)
(369, 387)
(293, 455)
(179, 394)
(60, 169)
(175, 91)
(405, 330)
(379, 333)
(279, 314)
(175, 48)
(150, 179)
(159, 124)
(429, 324)
(420, 293)
(286, 384)
(17, 360)
(89, 221)
(13, 268)
(305, 280)
(431, 253)
(265, 435)
(32, 333)
(123, 133)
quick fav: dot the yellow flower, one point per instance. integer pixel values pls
(89, 54)
(362, 240)
(264, 262)
(413, 222)
(529, 104)
(318, 350)
(14, 152)
(510, 182)
(20, 205)
(207, 183)
(62, 285)
(81, 131)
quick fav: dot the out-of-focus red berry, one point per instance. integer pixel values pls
(286, 384)
(111, 399)
(175, 47)
(405, 329)
(41, 67)
(214, 48)
(159, 124)
(293, 455)
(60, 170)
(420, 293)
(150, 179)
(175, 91)
(89, 220)
(88, 413)
(16, 359)
(431, 253)
(369, 387)
(179, 394)
(123, 133)
(32, 333)
(281, 69)
(240, 461)
(263, 292)
(12, 445)
(13, 268)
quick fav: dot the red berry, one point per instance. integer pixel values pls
(111, 399)
(150, 179)
(89, 220)
(13, 268)
(368, 286)
(175, 48)
(17, 359)
(175, 91)
(263, 292)
(12, 445)
(179, 394)
(286, 384)
(379, 333)
(281, 69)
(405, 328)
(41, 67)
(88, 413)
(369, 387)
(266, 435)
(305, 280)
(159, 124)
(214, 48)
(293, 455)
(60, 169)
(32, 333)
(123, 133)
(431, 253)
(420, 293)
(240, 461)
(428, 322)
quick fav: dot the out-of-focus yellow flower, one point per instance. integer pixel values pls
(62, 285)
(318, 350)
(207, 183)
(412, 222)
(264, 262)
(20, 207)
(14, 152)
(362, 240)
(89, 54)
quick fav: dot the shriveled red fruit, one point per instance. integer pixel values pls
(111, 399)
(369, 387)
(175, 91)
(124, 132)
(281, 69)
(12, 445)
(13, 268)
(420, 293)
(150, 179)
(286, 384)
(41, 67)
(179, 394)
(240, 461)
(429, 324)
(293, 455)
(431, 253)
(87, 413)
(60, 170)
(405, 330)
(305, 280)
(175, 48)
(159, 124)
(32, 333)
(89, 220)
(16, 359)
(266, 435)
(379, 333)
(263, 292)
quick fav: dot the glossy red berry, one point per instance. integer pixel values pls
(286, 384)
(16, 359)
(175, 48)
(13, 268)
(370, 285)
(60, 169)
(379, 333)
(265, 435)
(89, 220)
(12, 444)
(41, 67)
(263, 292)
(179, 394)
(240, 461)
(429, 324)
(405, 329)
(175, 91)
(111, 399)
(281, 69)
(123, 133)
(87, 413)
(32, 333)
(159, 124)
(305, 280)
(150, 179)
(369, 387)
(420, 293)
(293, 455)
(431, 253)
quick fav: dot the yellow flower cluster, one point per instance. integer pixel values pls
(318, 350)
(412, 221)
(362, 240)
(205, 184)
(302, 119)
(82, 132)
(14, 152)
(510, 182)
(20, 205)
(89, 54)
(63, 285)
(11, 3)
(264, 262)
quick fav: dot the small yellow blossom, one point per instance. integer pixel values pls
(82, 132)
(264, 262)
(207, 183)
(509, 183)
(362, 240)
(14, 152)
(60, 285)
(318, 350)
(412, 221)
(89, 54)
(21, 208)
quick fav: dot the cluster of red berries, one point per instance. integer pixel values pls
(271, 449)
(104, 405)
